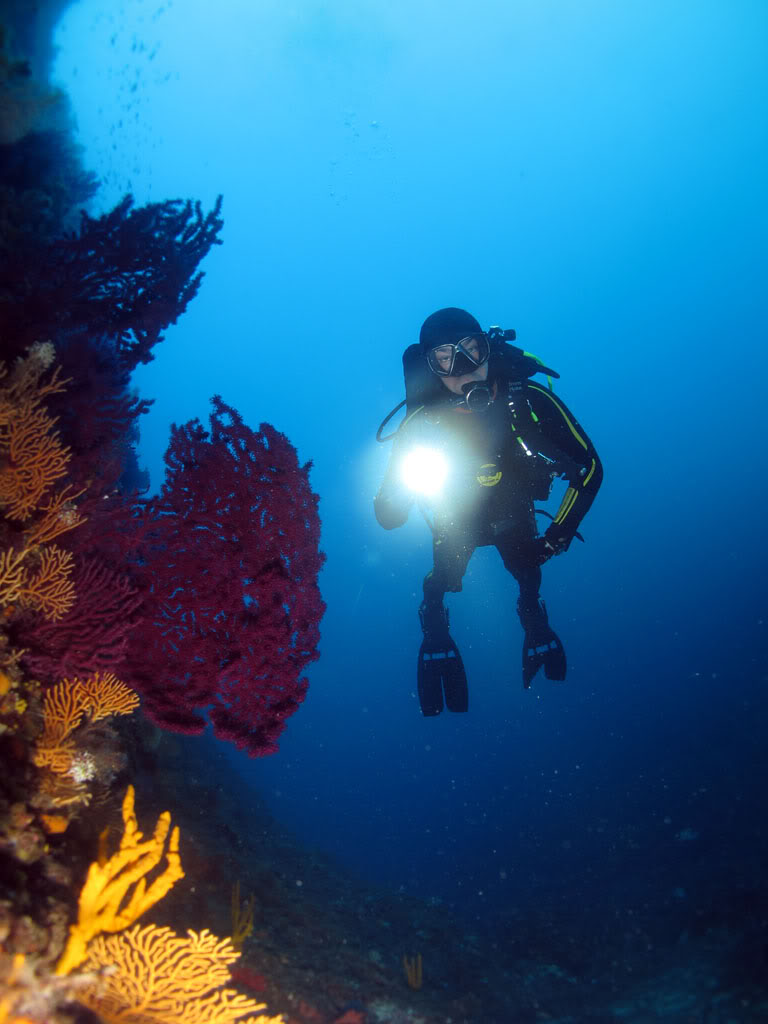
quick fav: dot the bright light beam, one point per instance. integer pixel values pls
(424, 470)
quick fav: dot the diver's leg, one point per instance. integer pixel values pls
(450, 556)
(451, 553)
(440, 668)
(541, 645)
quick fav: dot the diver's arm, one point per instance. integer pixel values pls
(393, 501)
(557, 426)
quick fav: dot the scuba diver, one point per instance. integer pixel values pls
(480, 442)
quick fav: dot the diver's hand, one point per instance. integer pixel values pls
(554, 544)
(391, 507)
(543, 548)
(537, 551)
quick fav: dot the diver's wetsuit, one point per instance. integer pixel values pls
(502, 459)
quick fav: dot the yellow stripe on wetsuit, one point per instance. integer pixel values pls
(569, 500)
(563, 413)
(570, 496)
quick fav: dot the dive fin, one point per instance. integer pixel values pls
(542, 648)
(440, 672)
(550, 655)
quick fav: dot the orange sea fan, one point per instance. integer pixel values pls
(51, 589)
(36, 459)
(32, 457)
(105, 695)
(158, 977)
(58, 516)
(13, 575)
(63, 708)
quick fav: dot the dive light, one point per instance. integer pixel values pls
(424, 470)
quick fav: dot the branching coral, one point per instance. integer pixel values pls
(157, 977)
(64, 707)
(115, 893)
(230, 561)
(148, 975)
(34, 573)
(48, 588)
(36, 458)
(58, 515)
(32, 454)
(93, 635)
(126, 275)
(104, 295)
(242, 917)
(105, 695)
(413, 970)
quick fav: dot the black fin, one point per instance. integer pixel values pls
(546, 652)
(542, 647)
(441, 672)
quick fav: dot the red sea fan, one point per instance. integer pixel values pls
(92, 636)
(228, 565)
(126, 275)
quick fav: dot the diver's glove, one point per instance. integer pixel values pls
(539, 550)
(553, 542)
(392, 505)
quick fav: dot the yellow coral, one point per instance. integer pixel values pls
(105, 695)
(34, 455)
(59, 515)
(32, 459)
(158, 977)
(36, 459)
(13, 575)
(107, 903)
(50, 590)
(64, 706)
(242, 917)
(413, 971)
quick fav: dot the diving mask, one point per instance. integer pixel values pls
(464, 357)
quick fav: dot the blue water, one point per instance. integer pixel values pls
(593, 175)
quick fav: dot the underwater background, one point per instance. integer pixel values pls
(592, 175)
